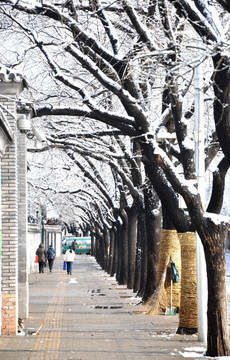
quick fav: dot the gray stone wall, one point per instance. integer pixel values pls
(9, 275)
(23, 287)
(10, 229)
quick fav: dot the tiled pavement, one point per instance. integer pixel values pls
(88, 316)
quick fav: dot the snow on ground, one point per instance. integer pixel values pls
(193, 354)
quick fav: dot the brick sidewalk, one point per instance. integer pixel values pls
(88, 316)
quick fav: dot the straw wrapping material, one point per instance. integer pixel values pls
(157, 302)
(170, 247)
(188, 308)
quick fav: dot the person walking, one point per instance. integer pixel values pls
(41, 253)
(50, 255)
(69, 259)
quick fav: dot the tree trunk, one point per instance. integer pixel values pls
(221, 86)
(143, 235)
(118, 251)
(132, 243)
(97, 252)
(218, 334)
(188, 321)
(153, 227)
(111, 252)
(170, 247)
(105, 245)
(93, 246)
(123, 278)
(115, 261)
(101, 252)
(137, 279)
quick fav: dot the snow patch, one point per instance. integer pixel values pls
(190, 354)
(199, 352)
(193, 352)
(217, 219)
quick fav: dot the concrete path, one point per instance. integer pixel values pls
(87, 316)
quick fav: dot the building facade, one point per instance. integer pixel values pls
(14, 279)
(18, 241)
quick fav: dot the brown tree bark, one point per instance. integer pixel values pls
(132, 245)
(144, 251)
(123, 275)
(137, 280)
(111, 252)
(153, 232)
(213, 238)
(221, 85)
(118, 251)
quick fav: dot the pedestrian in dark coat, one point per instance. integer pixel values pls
(41, 253)
(50, 255)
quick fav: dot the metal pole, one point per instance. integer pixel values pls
(200, 170)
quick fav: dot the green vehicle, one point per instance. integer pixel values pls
(83, 244)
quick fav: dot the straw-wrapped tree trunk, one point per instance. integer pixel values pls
(170, 248)
(188, 321)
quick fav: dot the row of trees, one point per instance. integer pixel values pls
(125, 69)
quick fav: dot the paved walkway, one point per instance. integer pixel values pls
(88, 316)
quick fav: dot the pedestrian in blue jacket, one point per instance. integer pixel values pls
(50, 255)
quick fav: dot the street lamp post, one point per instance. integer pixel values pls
(200, 170)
